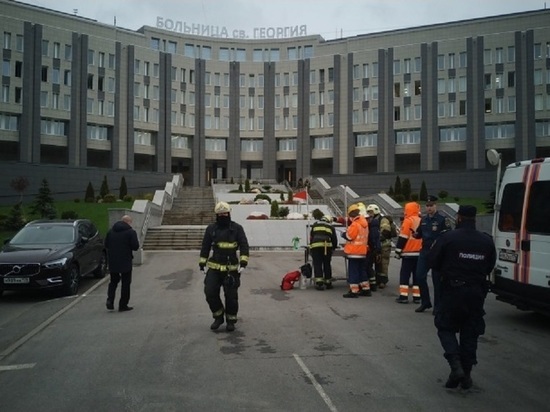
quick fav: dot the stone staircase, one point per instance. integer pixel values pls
(183, 226)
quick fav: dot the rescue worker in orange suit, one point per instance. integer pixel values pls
(355, 249)
(322, 242)
(407, 249)
(464, 259)
(224, 238)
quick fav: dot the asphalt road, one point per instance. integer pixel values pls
(301, 350)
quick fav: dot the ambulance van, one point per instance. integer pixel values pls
(521, 231)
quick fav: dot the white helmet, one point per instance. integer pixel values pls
(326, 218)
(222, 207)
(373, 208)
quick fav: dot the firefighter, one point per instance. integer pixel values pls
(387, 230)
(374, 254)
(322, 242)
(464, 259)
(432, 224)
(355, 249)
(224, 238)
(407, 249)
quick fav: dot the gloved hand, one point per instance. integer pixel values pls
(241, 269)
(344, 235)
(398, 255)
(201, 267)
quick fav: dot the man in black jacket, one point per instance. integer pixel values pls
(120, 242)
(464, 258)
(224, 238)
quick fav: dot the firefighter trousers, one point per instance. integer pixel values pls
(214, 281)
(322, 269)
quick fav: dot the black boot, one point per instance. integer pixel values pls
(230, 327)
(218, 321)
(467, 381)
(457, 373)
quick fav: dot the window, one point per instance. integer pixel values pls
(56, 76)
(6, 68)
(407, 66)
(451, 60)
(441, 86)
(452, 134)
(488, 84)
(462, 60)
(45, 46)
(396, 67)
(440, 62)
(52, 127)
(440, 109)
(18, 95)
(499, 55)
(405, 137)
(366, 140)
(462, 108)
(537, 51)
(19, 42)
(44, 74)
(43, 99)
(112, 61)
(417, 64)
(511, 54)
(417, 112)
(462, 84)
(417, 87)
(91, 57)
(172, 47)
(488, 105)
(90, 81)
(90, 106)
(511, 104)
(7, 40)
(487, 56)
(56, 50)
(537, 78)
(397, 113)
(68, 52)
(5, 93)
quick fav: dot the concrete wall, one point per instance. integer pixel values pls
(67, 183)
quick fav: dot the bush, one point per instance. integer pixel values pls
(274, 209)
(109, 198)
(443, 194)
(77, 200)
(90, 200)
(128, 198)
(399, 198)
(263, 197)
(414, 197)
(69, 214)
(284, 211)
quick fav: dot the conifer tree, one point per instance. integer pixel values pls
(43, 203)
(123, 190)
(104, 190)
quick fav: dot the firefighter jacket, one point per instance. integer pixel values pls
(224, 241)
(430, 228)
(357, 238)
(407, 245)
(323, 235)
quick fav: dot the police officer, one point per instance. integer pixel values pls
(464, 258)
(224, 238)
(431, 226)
(322, 242)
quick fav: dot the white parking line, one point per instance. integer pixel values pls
(316, 384)
(17, 367)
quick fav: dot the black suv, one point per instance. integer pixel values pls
(52, 254)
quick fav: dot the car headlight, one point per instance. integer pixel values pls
(56, 264)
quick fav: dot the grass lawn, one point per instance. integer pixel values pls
(96, 212)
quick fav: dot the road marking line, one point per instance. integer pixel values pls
(316, 384)
(17, 367)
(43, 325)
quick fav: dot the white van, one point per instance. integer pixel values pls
(521, 233)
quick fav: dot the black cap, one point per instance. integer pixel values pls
(431, 200)
(467, 211)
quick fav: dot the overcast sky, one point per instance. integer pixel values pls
(330, 19)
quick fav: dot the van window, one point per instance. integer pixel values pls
(511, 207)
(538, 212)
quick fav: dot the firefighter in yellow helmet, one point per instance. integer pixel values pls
(322, 242)
(355, 249)
(224, 238)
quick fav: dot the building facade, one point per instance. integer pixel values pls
(80, 93)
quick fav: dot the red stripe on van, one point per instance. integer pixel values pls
(533, 176)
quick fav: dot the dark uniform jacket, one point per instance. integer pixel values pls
(464, 255)
(224, 243)
(430, 228)
(120, 241)
(323, 235)
(374, 234)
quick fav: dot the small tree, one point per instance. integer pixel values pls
(240, 187)
(274, 209)
(15, 219)
(290, 196)
(406, 189)
(247, 185)
(104, 190)
(20, 184)
(90, 193)
(43, 203)
(490, 203)
(123, 190)
(397, 190)
(391, 193)
(282, 197)
(423, 195)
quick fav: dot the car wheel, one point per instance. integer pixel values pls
(72, 280)
(101, 269)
